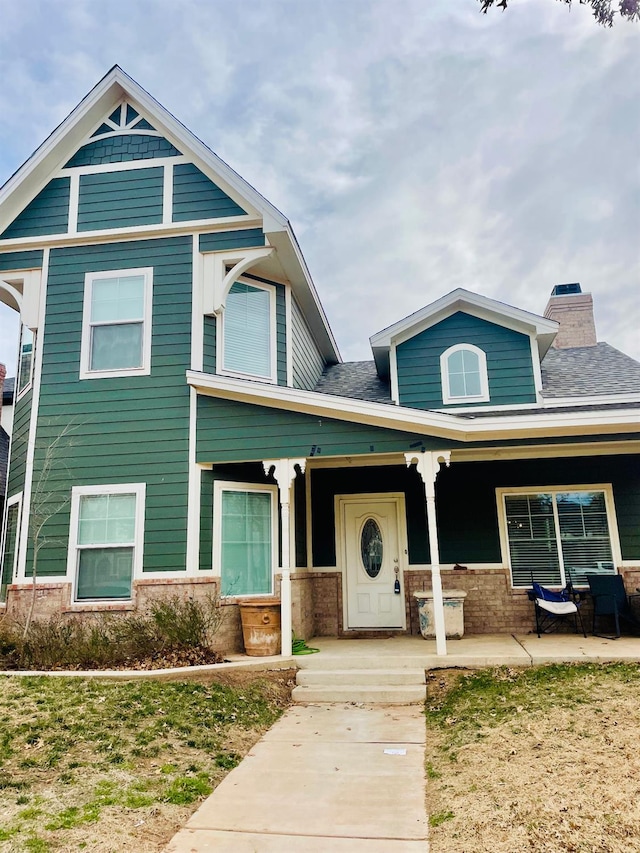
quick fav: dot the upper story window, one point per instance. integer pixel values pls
(116, 328)
(25, 361)
(463, 368)
(249, 331)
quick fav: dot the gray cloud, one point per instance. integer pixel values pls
(415, 147)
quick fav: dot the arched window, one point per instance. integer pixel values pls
(463, 368)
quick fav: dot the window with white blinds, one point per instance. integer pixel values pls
(249, 331)
(557, 536)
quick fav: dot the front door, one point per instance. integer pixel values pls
(372, 533)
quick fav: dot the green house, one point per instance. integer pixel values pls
(183, 420)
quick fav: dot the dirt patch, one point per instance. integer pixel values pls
(538, 764)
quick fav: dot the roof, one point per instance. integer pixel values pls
(576, 372)
(460, 299)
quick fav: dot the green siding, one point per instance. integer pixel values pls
(230, 431)
(122, 148)
(20, 437)
(125, 430)
(307, 360)
(21, 260)
(508, 354)
(197, 197)
(209, 354)
(48, 213)
(120, 199)
(281, 334)
(231, 240)
(206, 521)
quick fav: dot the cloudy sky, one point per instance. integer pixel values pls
(415, 146)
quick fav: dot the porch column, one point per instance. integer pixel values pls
(428, 465)
(284, 473)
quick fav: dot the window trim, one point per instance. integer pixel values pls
(14, 499)
(21, 391)
(85, 349)
(447, 396)
(605, 488)
(273, 333)
(220, 486)
(77, 492)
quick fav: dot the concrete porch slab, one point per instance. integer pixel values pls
(573, 648)
(214, 841)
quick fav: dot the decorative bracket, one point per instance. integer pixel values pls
(428, 465)
(284, 473)
(221, 269)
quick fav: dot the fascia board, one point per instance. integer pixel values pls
(412, 420)
(33, 175)
(297, 272)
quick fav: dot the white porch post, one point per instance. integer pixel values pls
(284, 473)
(428, 465)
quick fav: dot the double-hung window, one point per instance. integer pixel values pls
(245, 535)
(25, 360)
(248, 340)
(463, 369)
(556, 535)
(116, 331)
(105, 542)
(10, 542)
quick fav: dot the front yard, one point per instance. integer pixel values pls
(100, 766)
(542, 760)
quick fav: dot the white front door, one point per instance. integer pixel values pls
(372, 533)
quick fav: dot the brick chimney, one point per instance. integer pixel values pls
(573, 309)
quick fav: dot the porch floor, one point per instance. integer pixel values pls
(472, 651)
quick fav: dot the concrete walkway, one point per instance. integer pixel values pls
(343, 778)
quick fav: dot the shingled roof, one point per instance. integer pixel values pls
(575, 372)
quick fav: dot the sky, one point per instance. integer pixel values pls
(415, 147)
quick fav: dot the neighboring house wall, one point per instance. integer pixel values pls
(308, 363)
(511, 378)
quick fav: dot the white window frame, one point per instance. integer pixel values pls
(21, 391)
(77, 492)
(85, 351)
(606, 488)
(273, 331)
(447, 396)
(220, 486)
(14, 499)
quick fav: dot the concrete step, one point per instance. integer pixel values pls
(387, 695)
(368, 661)
(360, 677)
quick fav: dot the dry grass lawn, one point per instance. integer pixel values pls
(103, 766)
(543, 760)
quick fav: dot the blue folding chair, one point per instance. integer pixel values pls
(553, 609)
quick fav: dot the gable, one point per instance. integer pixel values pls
(508, 356)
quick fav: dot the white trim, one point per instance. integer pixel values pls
(447, 396)
(393, 374)
(14, 499)
(273, 333)
(432, 423)
(503, 491)
(220, 486)
(197, 316)
(137, 489)
(85, 349)
(74, 202)
(20, 392)
(167, 194)
(33, 425)
(7, 286)
(194, 490)
(122, 166)
(536, 363)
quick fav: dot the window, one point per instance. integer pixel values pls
(558, 535)
(10, 551)
(105, 545)
(463, 369)
(25, 360)
(246, 537)
(249, 331)
(116, 330)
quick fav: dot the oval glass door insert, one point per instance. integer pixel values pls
(371, 547)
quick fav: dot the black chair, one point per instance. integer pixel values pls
(553, 609)
(610, 600)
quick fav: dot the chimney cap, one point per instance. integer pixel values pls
(566, 289)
